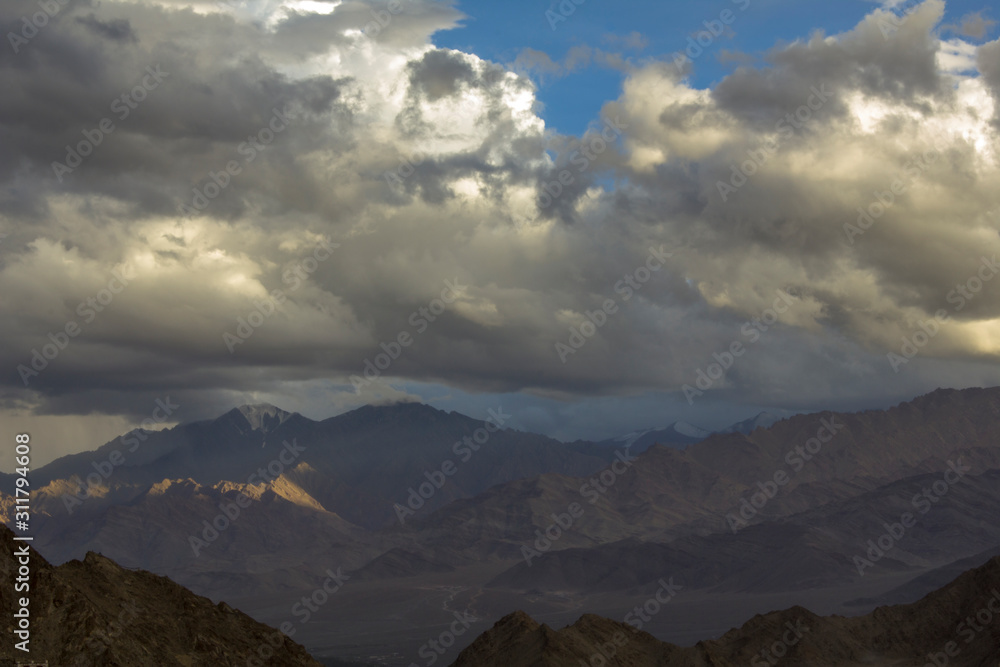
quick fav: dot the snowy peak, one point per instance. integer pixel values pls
(256, 417)
(679, 434)
(690, 430)
(748, 426)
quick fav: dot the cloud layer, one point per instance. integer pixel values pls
(324, 170)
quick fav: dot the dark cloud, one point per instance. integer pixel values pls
(429, 165)
(989, 65)
(877, 58)
(117, 31)
(440, 74)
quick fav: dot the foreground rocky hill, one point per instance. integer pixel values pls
(94, 612)
(958, 625)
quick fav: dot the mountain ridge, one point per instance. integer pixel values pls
(336, 500)
(80, 609)
(898, 635)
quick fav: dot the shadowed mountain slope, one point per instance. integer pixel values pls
(958, 625)
(94, 612)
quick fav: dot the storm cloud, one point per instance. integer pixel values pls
(350, 182)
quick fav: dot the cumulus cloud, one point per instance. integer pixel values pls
(450, 213)
(634, 41)
(974, 25)
(541, 67)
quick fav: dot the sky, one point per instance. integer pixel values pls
(599, 217)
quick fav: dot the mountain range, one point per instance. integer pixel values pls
(958, 625)
(680, 434)
(431, 514)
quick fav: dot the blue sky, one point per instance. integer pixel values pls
(500, 31)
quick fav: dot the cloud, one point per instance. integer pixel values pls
(538, 62)
(540, 65)
(988, 61)
(429, 165)
(439, 74)
(633, 41)
(973, 25)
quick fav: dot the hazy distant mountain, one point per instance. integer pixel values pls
(667, 493)
(748, 426)
(94, 612)
(678, 434)
(920, 586)
(901, 635)
(812, 549)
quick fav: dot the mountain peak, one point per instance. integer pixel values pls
(257, 417)
(395, 411)
(678, 435)
(762, 419)
(690, 430)
(260, 408)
